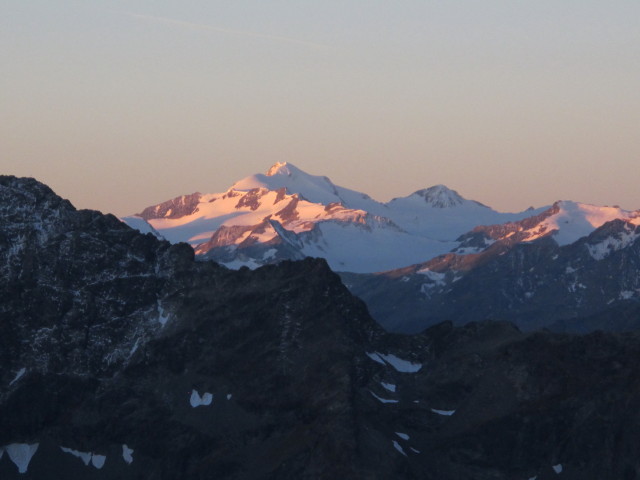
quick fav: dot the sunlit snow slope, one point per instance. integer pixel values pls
(289, 214)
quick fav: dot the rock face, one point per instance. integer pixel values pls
(123, 358)
(174, 208)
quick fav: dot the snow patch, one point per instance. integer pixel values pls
(162, 316)
(436, 277)
(626, 294)
(557, 468)
(237, 264)
(403, 366)
(443, 412)
(87, 457)
(207, 398)
(229, 396)
(397, 446)
(426, 288)
(602, 250)
(467, 250)
(127, 453)
(98, 460)
(196, 400)
(400, 365)
(403, 436)
(574, 286)
(375, 357)
(18, 376)
(21, 454)
(414, 450)
(84, 456)
(388, 386)
(383, 400)
(271, 253)
(135, 347)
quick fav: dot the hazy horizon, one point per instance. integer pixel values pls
(513, 104)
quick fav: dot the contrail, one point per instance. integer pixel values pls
(200, 26)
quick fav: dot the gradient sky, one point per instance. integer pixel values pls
(122, 104)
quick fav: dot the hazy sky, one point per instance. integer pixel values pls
(118, 105)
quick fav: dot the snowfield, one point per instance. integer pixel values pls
(287, 213)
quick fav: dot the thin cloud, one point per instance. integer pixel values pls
(228, 31)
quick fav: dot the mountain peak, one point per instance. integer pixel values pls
(283, 168)
(440, 196)
(316, 189)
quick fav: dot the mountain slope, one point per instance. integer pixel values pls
(313, 188)
(121, 357)
(441, 213)
(534, 284)
(564, 221)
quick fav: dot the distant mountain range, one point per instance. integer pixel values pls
(424, 258)
(289, 214)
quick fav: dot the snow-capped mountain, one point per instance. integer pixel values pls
(441, 213)
(313, 188)
(564, 221)
(288, 213)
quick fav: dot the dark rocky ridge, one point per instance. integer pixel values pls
(82, 300)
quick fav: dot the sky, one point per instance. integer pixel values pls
(123, 104)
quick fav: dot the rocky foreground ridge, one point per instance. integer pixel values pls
(121, 357)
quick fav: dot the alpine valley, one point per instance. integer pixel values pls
(130, 355)
(426, 258)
